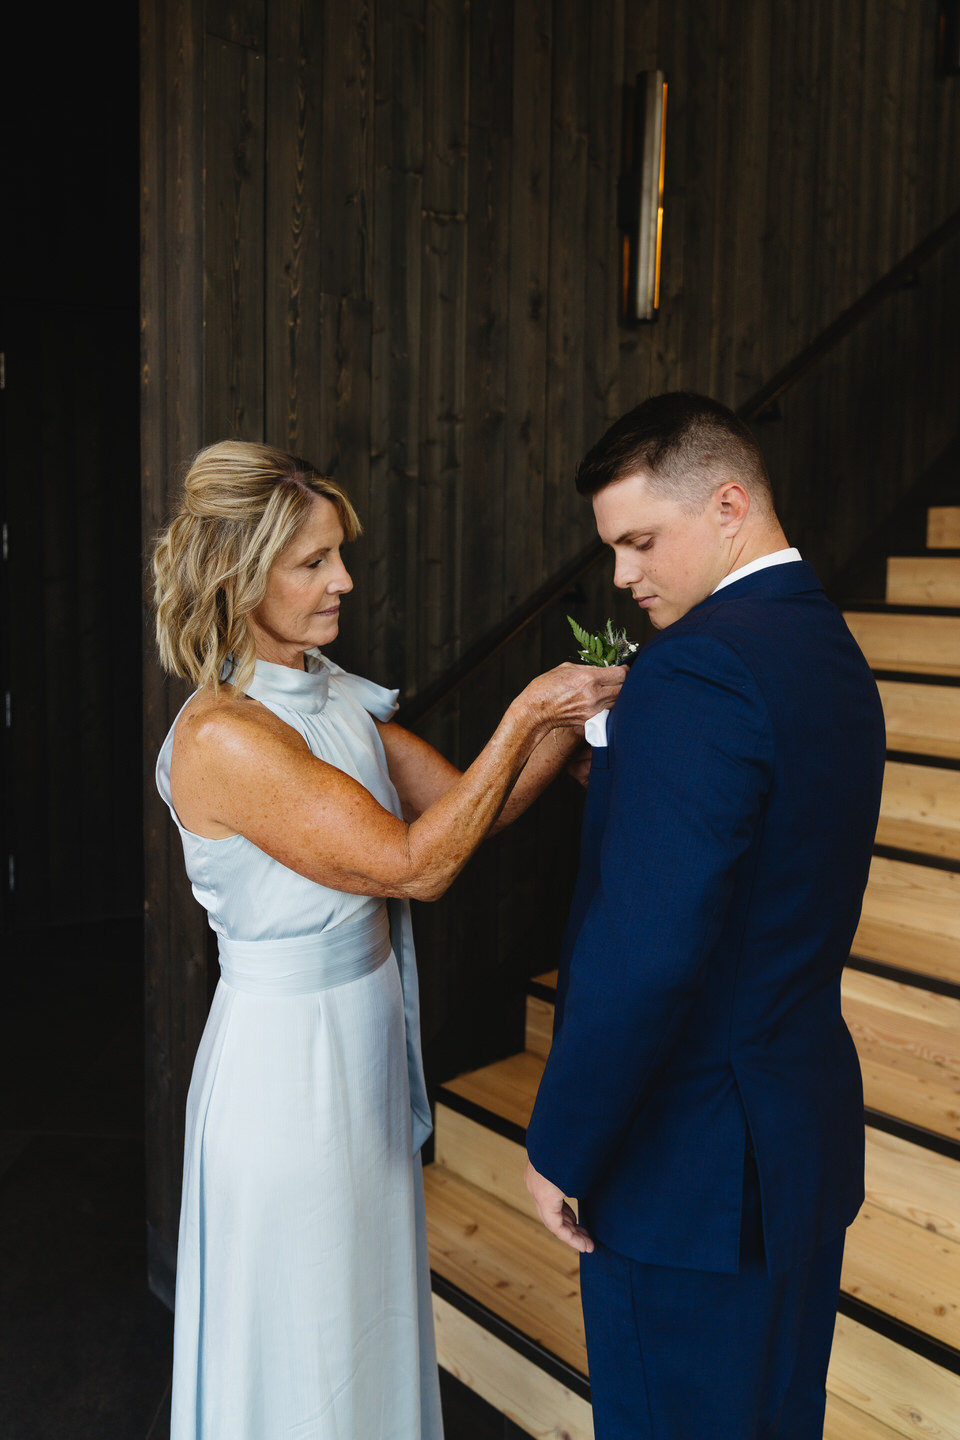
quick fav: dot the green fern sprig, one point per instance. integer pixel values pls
(607, 647)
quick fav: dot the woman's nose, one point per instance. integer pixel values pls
(341, 583)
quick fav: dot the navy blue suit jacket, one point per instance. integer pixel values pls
(726, 842)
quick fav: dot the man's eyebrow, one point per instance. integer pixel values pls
(630, 535)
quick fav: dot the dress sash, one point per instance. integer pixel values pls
(306, 964)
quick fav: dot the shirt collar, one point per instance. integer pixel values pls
(778, 557)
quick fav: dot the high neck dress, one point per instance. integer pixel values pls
(303, 1288)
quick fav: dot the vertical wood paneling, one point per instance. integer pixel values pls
(563, 527)
(747, 167)
(444, 261)
(802, 150)
(292, 259)
(346, 146)
(342, 370)
(391, 522)
(601, 348)
(524, 461)
(486, 322)
(726, 193)
(242, 22)
(233, 240)
(700, 80)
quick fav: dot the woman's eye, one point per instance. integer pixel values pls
(313, 564)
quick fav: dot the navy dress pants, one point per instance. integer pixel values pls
(690, 1355)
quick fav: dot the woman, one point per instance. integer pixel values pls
(303, 1294)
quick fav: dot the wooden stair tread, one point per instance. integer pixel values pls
(917, 895)
(941, 747)
(507, 1262)
(507, 1087)
(908, 1041)
(917, 1184)
(943, 527)
(920, 836)
(921, 719)
(921, 951)
(911, 918)
(919, 643)
(890, 1384)
(843, 1422)
(920, 809)
(923, 580)
(483, 1157)
(905, 1271)
(539, 1027)
(515, 1384)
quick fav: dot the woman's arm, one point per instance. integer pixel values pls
(422, 776)
(241, 770)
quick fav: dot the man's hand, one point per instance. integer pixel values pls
(579, 764)
(555, 1213)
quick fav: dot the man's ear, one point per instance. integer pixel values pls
(734, 502)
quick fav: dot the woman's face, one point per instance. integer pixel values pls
(301, 607)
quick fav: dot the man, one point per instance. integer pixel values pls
(702, 1098)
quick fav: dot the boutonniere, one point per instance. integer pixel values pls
(606, 647)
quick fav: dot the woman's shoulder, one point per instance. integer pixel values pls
(226, 718)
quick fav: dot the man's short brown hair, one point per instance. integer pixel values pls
(684, 445)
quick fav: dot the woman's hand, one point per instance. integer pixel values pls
(570, 694)
(422, 776)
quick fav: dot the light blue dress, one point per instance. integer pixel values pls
(303, 1289)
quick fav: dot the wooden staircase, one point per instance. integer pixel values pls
(506, 1294)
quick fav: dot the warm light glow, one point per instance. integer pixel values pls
(663, 166)
(640, 200)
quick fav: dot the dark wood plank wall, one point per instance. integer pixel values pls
(384, 236)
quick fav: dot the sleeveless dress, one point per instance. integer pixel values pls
(303, 1306)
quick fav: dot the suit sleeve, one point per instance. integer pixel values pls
(690, 772)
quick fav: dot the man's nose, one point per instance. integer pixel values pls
(625, 574)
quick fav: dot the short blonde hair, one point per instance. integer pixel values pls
(242, 505)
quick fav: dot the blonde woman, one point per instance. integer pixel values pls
(308, 821)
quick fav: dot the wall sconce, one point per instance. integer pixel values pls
(640, 200)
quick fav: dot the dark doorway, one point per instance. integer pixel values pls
(70, 630)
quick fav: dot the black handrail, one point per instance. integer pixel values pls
(500, 635)
(896, 279)
(765, 398)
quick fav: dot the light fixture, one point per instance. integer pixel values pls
(640, 200)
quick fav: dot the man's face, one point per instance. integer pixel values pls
(668, 559)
